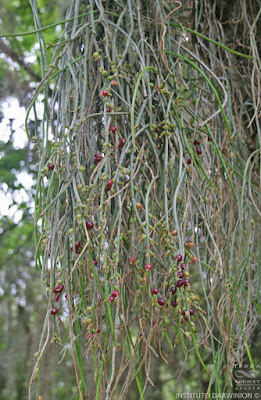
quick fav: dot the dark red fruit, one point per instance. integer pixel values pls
(115, 293)
(173, 290)
(122, 143)
(50, 167)
(174, 232)
(196, 142)
(109, 182)
(148, 267)
(209, 138)
(97, 158)
(111, 299)
(186, 318)
(108, 110)
(199, 151)
(179, 257)
(186, 282)
(161, 301)
(113, 128)
(95, 262)
(179, 283)
(78, 247)
(153, 323)
(174, 303)
(191, 311)
(57, 297)
(155, 290)
(98, 331)
(54, 311)
(183, 312)
(107, 188)
(105, 93)
(180, 274)
(58, 289)
(89, 224)
(189, 161)
(182, 266)
(132, 260)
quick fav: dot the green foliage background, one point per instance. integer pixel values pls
(22, 303)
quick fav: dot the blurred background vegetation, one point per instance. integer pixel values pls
(22, 303)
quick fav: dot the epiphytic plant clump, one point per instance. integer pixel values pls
(148, 217)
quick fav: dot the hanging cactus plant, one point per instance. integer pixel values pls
(146, 207)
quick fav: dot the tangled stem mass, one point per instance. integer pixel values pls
(149, 209)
